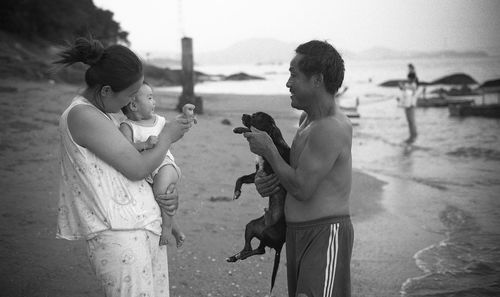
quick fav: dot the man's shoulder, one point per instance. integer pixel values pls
(336, 124)
(332, 131)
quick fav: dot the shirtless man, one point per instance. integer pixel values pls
(318, 180)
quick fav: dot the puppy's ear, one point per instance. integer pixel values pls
(275, 133)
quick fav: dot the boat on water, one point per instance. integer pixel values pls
(485, 104)
(439, 101)
(442, 97)
(349, 111)
(463, 110)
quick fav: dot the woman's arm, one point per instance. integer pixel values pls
(139, 145)
(92, 130)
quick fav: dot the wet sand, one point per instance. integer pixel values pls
(211, 156)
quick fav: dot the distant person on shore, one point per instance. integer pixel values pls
(319, 235)
(142, 128)
(103, 197)
(409, 101)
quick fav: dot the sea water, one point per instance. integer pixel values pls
(458, 157)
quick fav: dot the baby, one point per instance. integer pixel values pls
(141, 128)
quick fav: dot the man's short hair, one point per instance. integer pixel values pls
(320, 57)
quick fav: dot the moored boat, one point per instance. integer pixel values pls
(487, 110)
(483, 105)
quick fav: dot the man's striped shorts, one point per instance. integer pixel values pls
(318, 256)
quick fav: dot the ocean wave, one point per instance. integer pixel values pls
(466, 263)
(476, 152)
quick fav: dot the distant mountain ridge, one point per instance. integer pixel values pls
(271, 51)
(250, 51)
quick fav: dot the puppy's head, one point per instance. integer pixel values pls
(265, 122)
(259, 120)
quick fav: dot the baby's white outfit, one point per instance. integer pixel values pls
(141, 133)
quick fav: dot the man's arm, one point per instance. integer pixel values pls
(325, 143)
(318, 156)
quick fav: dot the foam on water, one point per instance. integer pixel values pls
(466, 263)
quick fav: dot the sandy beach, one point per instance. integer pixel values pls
(390, 224)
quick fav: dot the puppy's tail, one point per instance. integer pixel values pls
(275, 267)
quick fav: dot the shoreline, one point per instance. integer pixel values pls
(384, 239)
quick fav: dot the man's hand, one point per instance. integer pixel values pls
(170, 200)
(260, 142)
(266, 184)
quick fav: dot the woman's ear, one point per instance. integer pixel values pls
(106, 91)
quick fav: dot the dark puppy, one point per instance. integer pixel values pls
(270, 229)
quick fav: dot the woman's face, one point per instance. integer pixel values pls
(117, 100)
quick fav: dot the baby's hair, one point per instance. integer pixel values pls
(126, 109)
(115, 66)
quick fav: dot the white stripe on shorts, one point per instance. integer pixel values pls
(331, 260)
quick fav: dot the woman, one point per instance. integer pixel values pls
(103, 196)
(409, 101)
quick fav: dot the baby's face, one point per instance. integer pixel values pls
(145, 101)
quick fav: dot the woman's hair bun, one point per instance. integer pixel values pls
(88, 51)
(91, 50)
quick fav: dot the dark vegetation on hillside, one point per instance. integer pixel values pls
(58, 20)
(33, 31)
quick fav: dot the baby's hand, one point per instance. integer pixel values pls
(151, 142)
(188, 111)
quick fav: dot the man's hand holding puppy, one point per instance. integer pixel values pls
(266, 185)
(260, 143)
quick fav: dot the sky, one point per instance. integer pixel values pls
(156, 26)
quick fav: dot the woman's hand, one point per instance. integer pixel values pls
(170, 200)
(266, 184)
(174, 130)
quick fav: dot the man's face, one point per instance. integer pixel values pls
(301, 87)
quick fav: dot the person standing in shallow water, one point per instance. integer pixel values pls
(319, 235)
(103, 197)
(409, 102)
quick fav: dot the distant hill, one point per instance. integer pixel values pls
(385, 53)
(272, 51)
(26, 59)
(56, 21)
(250, 51)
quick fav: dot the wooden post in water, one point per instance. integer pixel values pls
(188, 78)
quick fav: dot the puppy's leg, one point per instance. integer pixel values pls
(246, 179)
(253, 229)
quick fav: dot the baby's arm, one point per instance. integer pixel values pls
(140, 145)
